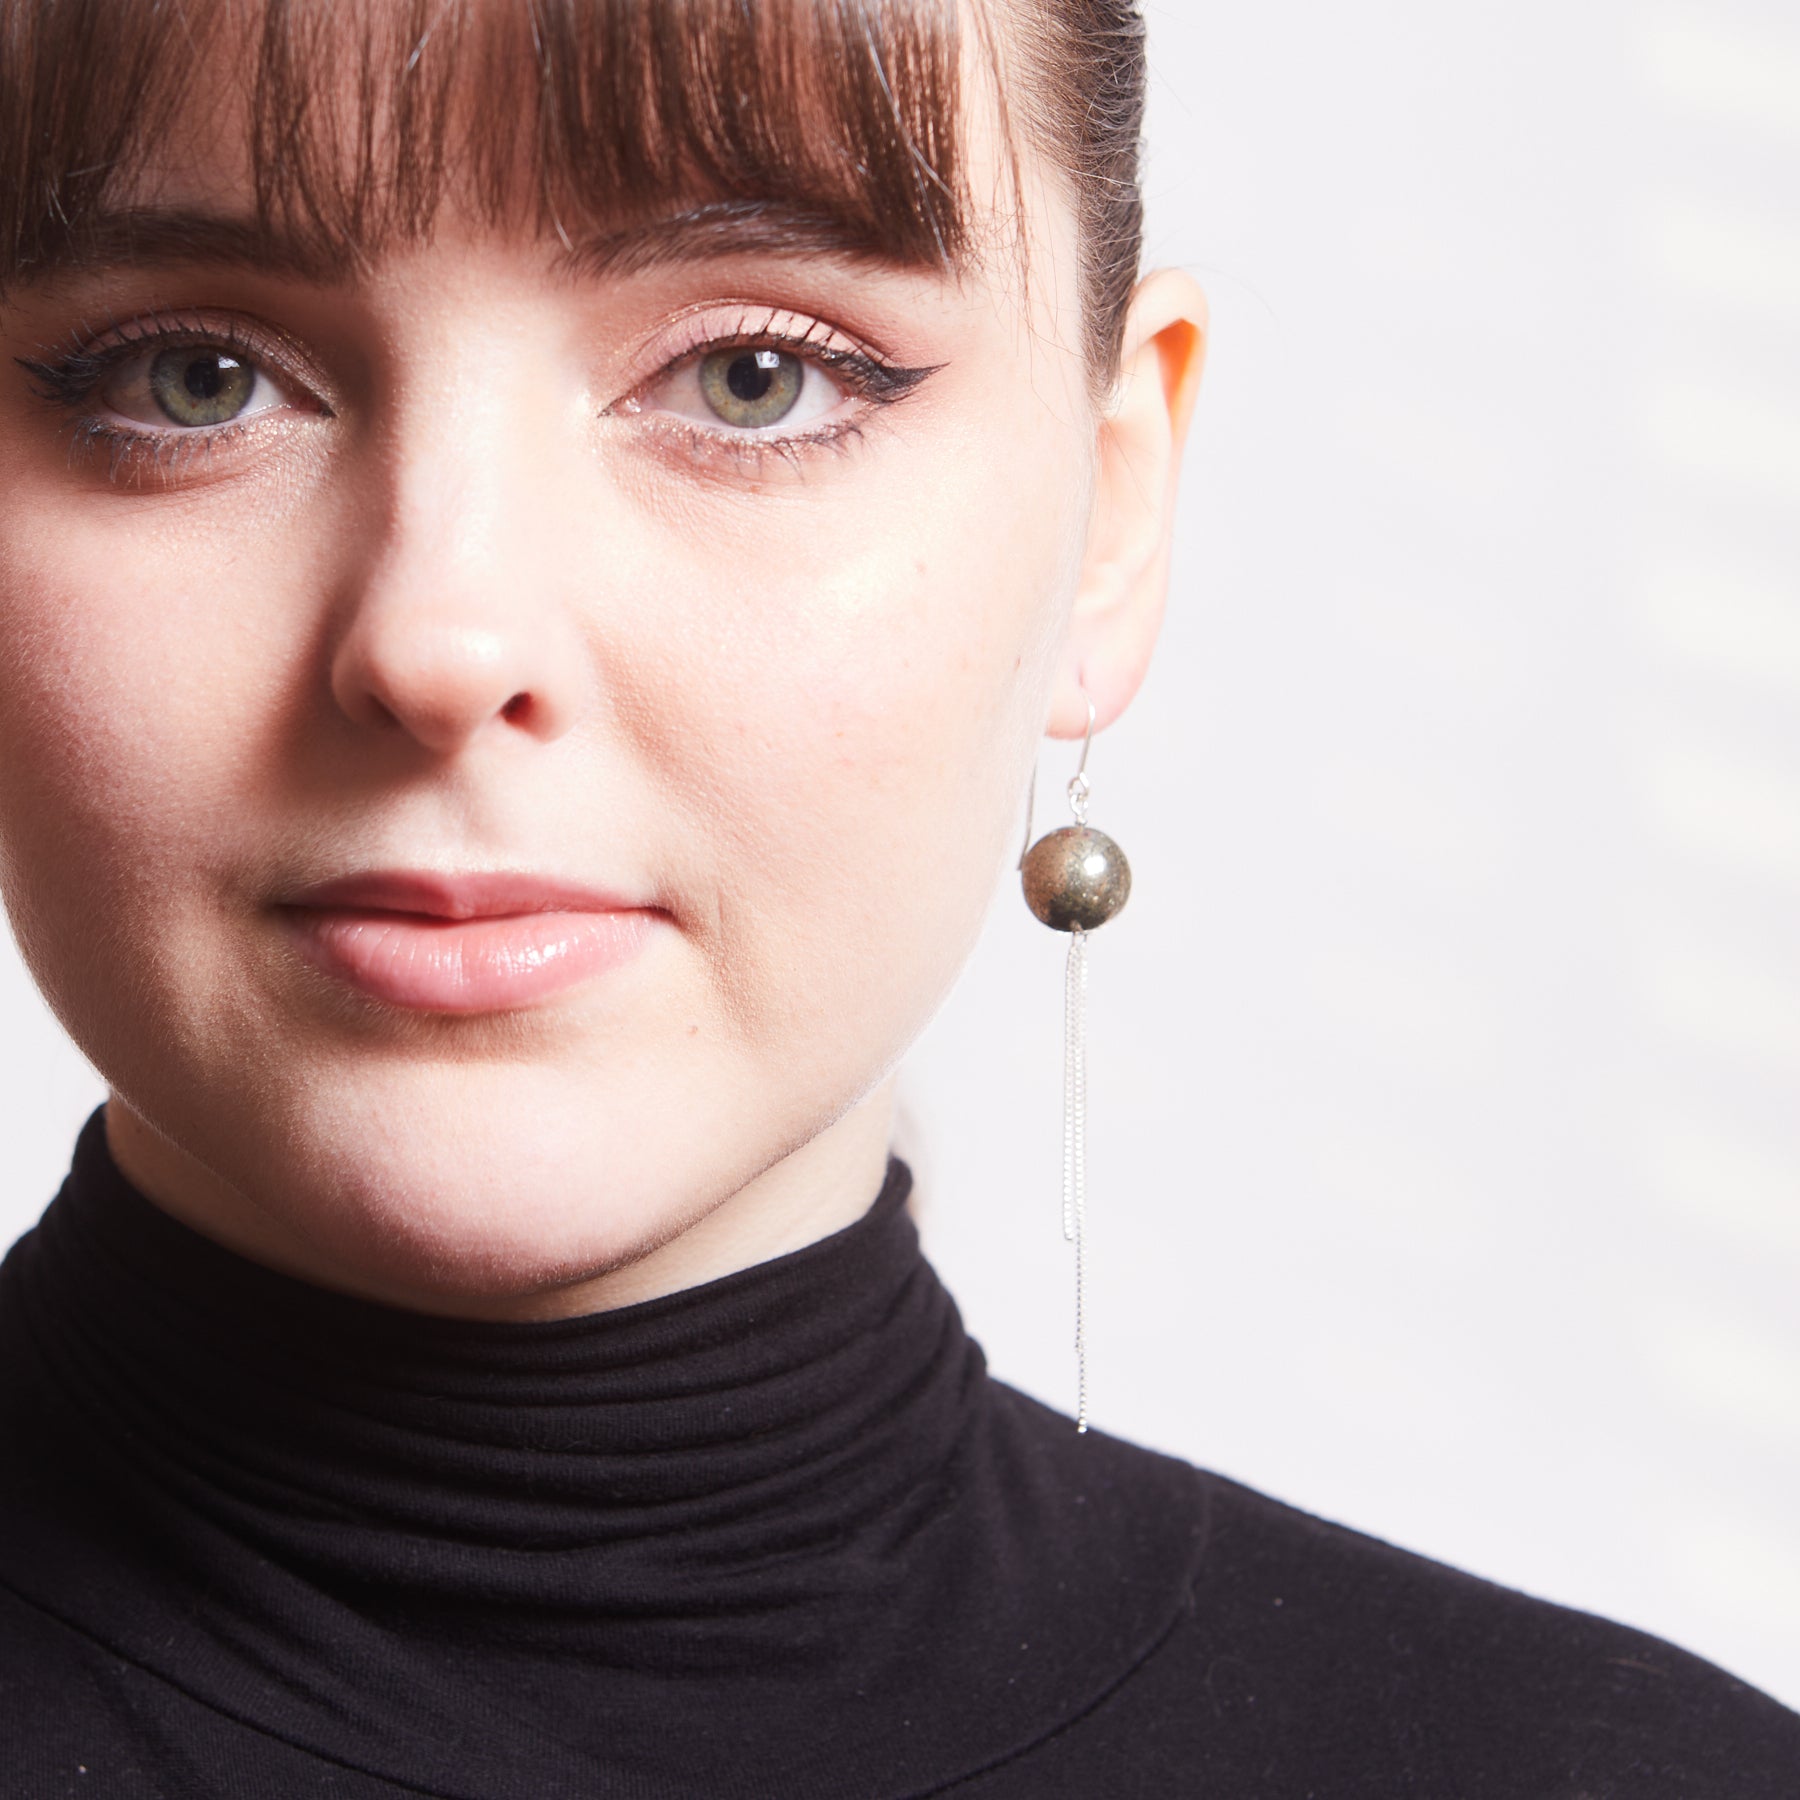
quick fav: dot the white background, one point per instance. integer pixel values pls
(1445, 1148)
(1445, 1139)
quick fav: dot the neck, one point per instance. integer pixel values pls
(807, 1194)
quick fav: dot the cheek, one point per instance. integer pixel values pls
(122, 721)
(850, 733)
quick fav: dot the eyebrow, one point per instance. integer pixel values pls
(161, 237)
(740, 227)
(165, 237)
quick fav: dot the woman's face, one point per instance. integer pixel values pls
(711, 600)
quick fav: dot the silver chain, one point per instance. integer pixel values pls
(1074, 1207)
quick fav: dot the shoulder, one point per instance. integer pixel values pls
(1270, 1561)
(1316, 1659)
(80, 1721)
(1305, 1632)
(66, 1710)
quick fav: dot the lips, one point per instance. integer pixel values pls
(479, 943)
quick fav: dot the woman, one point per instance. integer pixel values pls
(537, 544)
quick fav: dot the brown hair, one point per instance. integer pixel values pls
(841, 112)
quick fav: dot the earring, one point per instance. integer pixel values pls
(1075, 879)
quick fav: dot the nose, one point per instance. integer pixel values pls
(453, 628)
(442, 680)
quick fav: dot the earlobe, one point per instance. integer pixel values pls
(1124, 572)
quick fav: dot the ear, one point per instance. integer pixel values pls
(1125, 569)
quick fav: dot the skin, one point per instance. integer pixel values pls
(472, 597)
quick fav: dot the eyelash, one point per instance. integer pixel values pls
(71, 376)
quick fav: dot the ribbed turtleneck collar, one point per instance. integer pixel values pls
(418, 1544)
(550, 1464)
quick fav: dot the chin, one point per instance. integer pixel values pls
(444, 1184)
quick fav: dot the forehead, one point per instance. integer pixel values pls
(848, 125)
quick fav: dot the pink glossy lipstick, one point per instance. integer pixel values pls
(462, 943)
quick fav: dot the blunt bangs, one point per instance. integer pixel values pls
(360, 119)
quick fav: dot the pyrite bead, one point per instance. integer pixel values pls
(1076, 878)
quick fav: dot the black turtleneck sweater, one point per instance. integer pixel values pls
(778, 1537)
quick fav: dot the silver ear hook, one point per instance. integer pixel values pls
(1078, 784)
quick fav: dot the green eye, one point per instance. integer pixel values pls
(751, 387)
(201, 386)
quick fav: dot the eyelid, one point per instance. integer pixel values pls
(865, 373)
(719, 324)
(74, 373)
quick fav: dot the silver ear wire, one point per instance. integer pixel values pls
(1078, 782)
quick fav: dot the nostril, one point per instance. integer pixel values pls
(516, 708)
